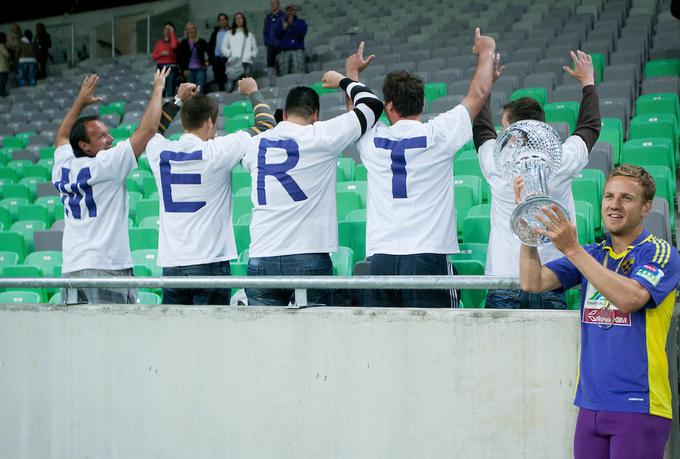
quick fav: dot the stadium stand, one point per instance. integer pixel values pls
(635, 51)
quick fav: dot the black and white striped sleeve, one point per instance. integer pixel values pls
(367, 106)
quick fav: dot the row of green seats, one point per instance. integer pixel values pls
(37, 297)
(47, 209)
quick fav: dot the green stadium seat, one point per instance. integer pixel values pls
(654, 104)
(16, 190)
(665, 188)
(347, 201)
(143, 162)
(148, 298)
(661, 68)
(474, 182)
(360, 188)
(358, 215)
(147, 208)
(150, 222)
(564, 112)
(56, 299)
(119, 132)
(613, 136)
(5, 218)
(476, 228)
(352, 234)
(133, 198)
(18, 165)
(245, 191)
(240, 107)
(464, 201)
(15, 142)
(242, 236)
(434, 91)
(245, 219)
(49, 262)
(137, 176)
(34, 212)
(573, 297)
(238, 268)
(343, 261)
(143, 238)
(8, 173)
(470, 166)
(27, 228)
(241, 205)
(471, 298)
(147, 258)
(646, 152)
(37, 170)
(32, 184)
(360, 173)
(585, 215)
(19, 296)
(46, 152)
(599, 61)
(240, 178)
(175, 136)
(237, 123)
(346, 168)
(47, 163)
(318, 87)
(589, 190)
(141, 271)
(114, 107)
(538, 94)
(8, 259)
(659, 125)
(53, 205)
(13, 205)
(243, 256)
(26, 271)
(471, 251)
(149, 187)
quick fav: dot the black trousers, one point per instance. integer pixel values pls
(219, 68)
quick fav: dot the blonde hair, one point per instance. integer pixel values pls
(640, 175)
(190, 24)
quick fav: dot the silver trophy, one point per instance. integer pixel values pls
(532, 150)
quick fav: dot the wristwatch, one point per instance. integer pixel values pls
(178, 101)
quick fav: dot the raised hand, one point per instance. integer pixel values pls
(583, 70)
(159, 78)
(483, 44)
(332, 79)
(86, 94)
(186, 91)
(559, 229)
(356, 63)
(247, 86)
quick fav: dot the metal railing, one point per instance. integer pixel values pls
(299, 284)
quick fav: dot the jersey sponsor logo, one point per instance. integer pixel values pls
(278, 170)
(650, 273)
(398, 156)
(591, 316)
(73, 193)
(168, 179)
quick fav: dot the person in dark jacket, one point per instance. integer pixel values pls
(218, 61)
(193, 57)
(270, 41)
(44, 41)
(290, 32)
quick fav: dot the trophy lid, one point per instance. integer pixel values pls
(527, 139)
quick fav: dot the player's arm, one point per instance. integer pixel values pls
(148, 125)
(354, 65)
(367, 107)
(588, 122)
(262, 112)
(170, 109)
(482, 80)
(84, 98)
(627, 294)
(483, 128)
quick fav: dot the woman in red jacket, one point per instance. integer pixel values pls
(164, 55)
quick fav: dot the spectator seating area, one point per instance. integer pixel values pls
(634, 46)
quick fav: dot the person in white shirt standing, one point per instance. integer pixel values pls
(193, 175)
(410, 213)
(294, 225)
(503, 251)
(90, 173)
(239, 43)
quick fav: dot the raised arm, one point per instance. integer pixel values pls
(264, 118)
(589, 122)
(84, 98)
(483, 128)
(482, 80)
(170, 109)
(354, 65)
(148, 125)
(367, 107)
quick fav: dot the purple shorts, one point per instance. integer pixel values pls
(605, 434)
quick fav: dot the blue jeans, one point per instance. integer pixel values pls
(518, 299)
(27, 73)
(3, 83)
(198, 295)
(169, 90)
(198, 77)
(308, 264)
(421, 264)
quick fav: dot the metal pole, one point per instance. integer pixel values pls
(148, 34)
(73, 45)
(113, 37)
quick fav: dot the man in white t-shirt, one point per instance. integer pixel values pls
(294, 225)
(503, 250)
(90, 173)
(410, 214)
(193, 175)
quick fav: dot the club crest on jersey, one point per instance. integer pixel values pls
(650, 273)
(627, 265)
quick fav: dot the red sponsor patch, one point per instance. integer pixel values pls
(591, 316)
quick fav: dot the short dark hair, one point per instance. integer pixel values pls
(638, 174)
(223, 15)
(79, 132)
(524, 108)
(302, 101)
(197, 110)
(406, 92)
(170, 24)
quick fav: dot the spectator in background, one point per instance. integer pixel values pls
(240, 43)
(192, 56)
(28, 64)
(4, 64)
(290, 32)
(44, 42)
(270, 41)
(165, 56)
(14, 39)
(218, 61)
